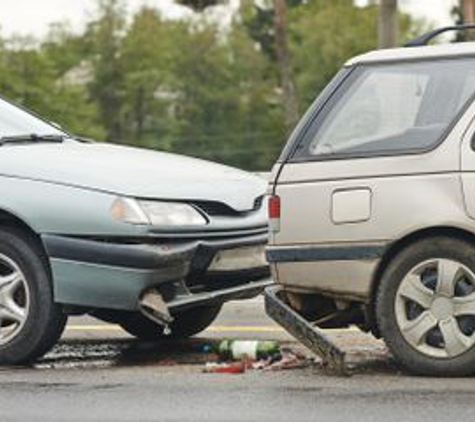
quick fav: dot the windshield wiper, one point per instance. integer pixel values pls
(31, 137)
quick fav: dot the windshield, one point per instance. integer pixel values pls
(393, 107)
(17, 122)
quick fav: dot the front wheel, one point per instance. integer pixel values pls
(30, 321)
(185, 324)
(425, 307)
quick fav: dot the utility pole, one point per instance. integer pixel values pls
(388, 24)
(285, 66)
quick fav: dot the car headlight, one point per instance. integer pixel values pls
(156, 213)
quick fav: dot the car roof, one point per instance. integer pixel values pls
(413, 53)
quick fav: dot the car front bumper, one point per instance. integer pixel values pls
(113, 274)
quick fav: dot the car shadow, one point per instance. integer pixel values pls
(364, 355)
(96, 353)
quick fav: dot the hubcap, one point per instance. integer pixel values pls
(435, 308)
(14, 299)
(442, 308)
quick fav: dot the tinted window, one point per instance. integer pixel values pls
(392, 108)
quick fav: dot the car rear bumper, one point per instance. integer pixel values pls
(341, 271)
(303, 330)
(113, 274)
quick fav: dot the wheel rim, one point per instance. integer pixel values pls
(435, 308)
(14, 299)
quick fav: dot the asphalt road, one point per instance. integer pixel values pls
(98, 373)
(239, 319)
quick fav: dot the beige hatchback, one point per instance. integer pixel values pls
(372, 205)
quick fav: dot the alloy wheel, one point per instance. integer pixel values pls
(14, 299)
(435, 308)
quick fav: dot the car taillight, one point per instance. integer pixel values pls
(274, 213)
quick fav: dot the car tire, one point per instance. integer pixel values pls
(31, 322)
(422, 311)
(185, 324)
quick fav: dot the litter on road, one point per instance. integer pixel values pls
(237, 357)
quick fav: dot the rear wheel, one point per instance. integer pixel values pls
(426, 307)
(30, 321)
(185, 324)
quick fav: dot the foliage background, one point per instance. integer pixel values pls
(190, 86)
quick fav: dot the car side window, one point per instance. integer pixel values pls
(391, 108)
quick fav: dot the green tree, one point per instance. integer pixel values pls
(258, 18)
(30, 78)
(65, 50)
(262, 129)
(68, 57)
(221, 99)
(199, 5)
(343, 31)
(104, 37)
(149, 77)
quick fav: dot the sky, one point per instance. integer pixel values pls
(33, 17)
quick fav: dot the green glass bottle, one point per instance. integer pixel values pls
(250, 349)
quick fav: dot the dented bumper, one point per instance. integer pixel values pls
(308, 334)
(113, 274)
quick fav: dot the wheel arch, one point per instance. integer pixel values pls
(396, 247)
(12, 221)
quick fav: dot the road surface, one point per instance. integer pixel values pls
(98, 373)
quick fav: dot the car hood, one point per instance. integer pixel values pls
(131, 172)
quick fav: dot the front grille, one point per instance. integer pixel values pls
(213, 208)
(216, 208)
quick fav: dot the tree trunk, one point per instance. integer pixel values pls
(388, 25)
(285, 66)
(468, 13)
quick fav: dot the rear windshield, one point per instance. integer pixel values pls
(391, 108)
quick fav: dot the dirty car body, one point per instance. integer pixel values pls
(372, 212)
(109, 224)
